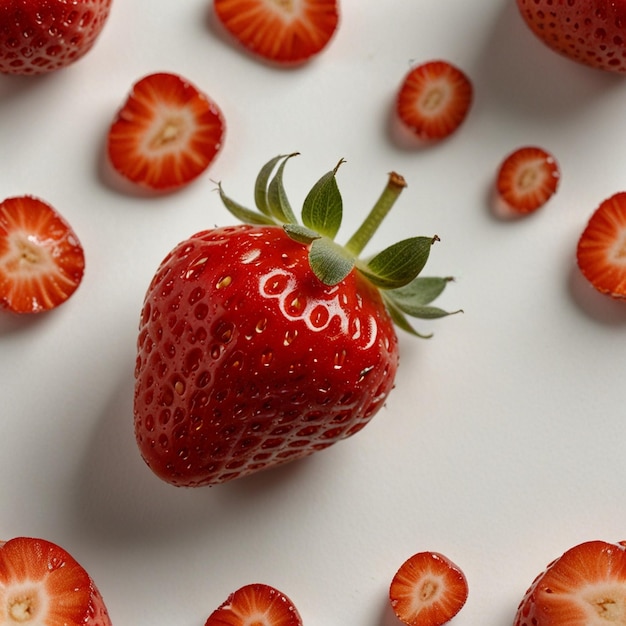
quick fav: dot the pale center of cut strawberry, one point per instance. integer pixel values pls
(527, 178)
(27, 255)
(620, 250)
(24, 606)
(285, 5)
(433, 99)
(168, 133)
(428, 590)
(609, 606)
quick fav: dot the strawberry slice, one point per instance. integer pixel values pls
(586, 586)
(166, 133)
(434, 100)
(41, 584)
(527, 179)
(428, 590)
(281, 32)
(601, 252)
(41, 259)
(256, 604)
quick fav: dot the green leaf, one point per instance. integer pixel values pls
(260, 185)
(278, 202)
(242, 213)
(329, 261)
(323, 207)
(397, 265)
(420, 291)
(400, 320)
(301, 234)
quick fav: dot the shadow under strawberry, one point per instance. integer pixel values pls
(118, 501)
(519, 74)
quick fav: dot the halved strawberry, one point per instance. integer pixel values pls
(434, 100)
(41, 259)
(282, 32)
(428, 590)
(41, 584)
(256, 605)
(586, 586)
(527, 179)
(601, 252)
(166, 133)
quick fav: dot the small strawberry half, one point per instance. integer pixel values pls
(601, 251)
(586, 586)
(166, 134)
(41, 259)
(284, 32)
(41, 584)
(256, 605)
(434, 100)
(40, 36)
(428, 590)
(527, 179)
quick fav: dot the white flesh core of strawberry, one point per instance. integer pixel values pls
(31, 259)
(428, 591)
(24, 603)
(604, 603)
(172, 130)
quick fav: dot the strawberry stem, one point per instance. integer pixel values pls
(387, 199)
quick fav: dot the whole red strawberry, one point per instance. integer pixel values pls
(38, 36)
(265, 342)
(592, 32)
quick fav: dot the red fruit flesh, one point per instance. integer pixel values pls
(601, 251)
(281, 32)
(591, 32)
(41, 259)
(434, 100)
(41, 36)
(586, 586)
(166, 134)
(527, 179)
(428, 590)
(256, 605)
(40, 583)
(247, 361)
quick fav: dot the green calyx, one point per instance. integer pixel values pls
(395, 271)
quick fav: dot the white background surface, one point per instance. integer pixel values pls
(503, 442)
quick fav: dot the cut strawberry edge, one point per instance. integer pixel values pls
(41, 259)
(256, 603)
(527, 178)
(586, 585)
(42, 583)
(166, 133)
(281, 33)
(601, 250)
(428, 590)
(433, 100)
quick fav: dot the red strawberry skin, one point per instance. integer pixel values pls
(247, 361)
(39, 36)
(591, 32)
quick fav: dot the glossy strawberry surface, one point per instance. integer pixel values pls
(591, 32)
(246, 360)
(39, 36)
